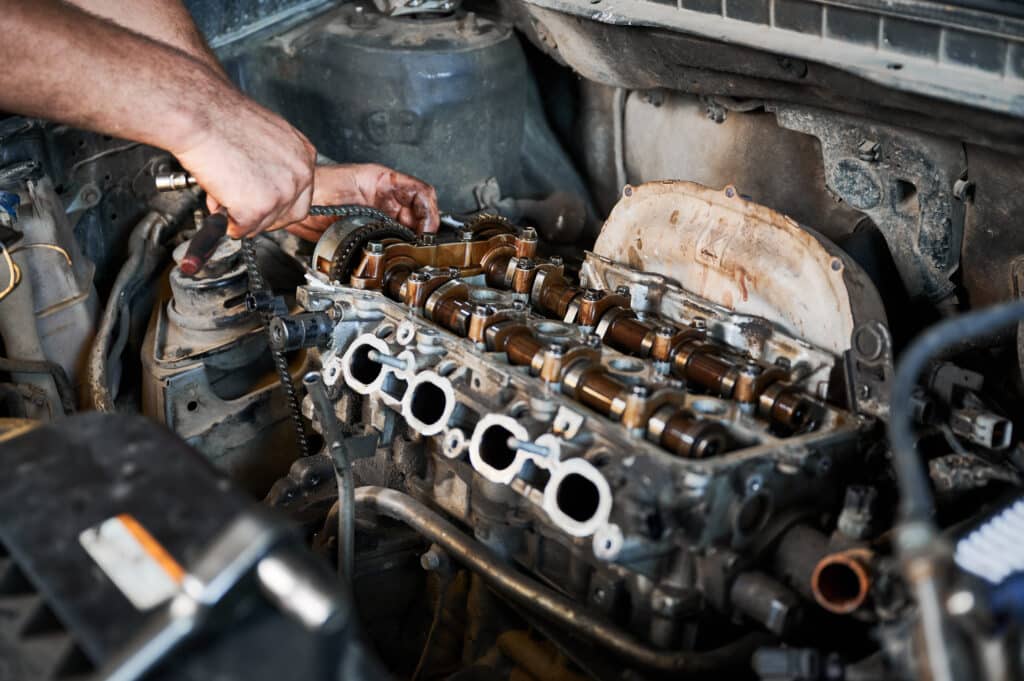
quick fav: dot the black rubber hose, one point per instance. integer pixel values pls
(56, 372)
(915, 492)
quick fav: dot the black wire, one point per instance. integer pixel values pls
(916, 497)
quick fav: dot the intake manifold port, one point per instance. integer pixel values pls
(577, 498)
(362, 373)
(489, 450)
(428, 403)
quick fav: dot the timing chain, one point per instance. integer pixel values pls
(352, 212)
(257, 286)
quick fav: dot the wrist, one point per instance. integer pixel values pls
(194, 113)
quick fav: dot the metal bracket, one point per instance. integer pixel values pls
(904, 181)
(869, 369)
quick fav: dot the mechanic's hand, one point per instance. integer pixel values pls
(254, 164)
(410, 201)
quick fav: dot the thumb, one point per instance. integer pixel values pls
(212, 204)
(235, 230)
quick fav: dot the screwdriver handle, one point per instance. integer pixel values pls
(204, 243)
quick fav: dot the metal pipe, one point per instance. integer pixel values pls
(526, 592)
(22, 340)
(334, 439)
(841, 581)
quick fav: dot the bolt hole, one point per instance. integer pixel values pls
(192, 405)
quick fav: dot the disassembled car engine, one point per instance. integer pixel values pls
(712, 369)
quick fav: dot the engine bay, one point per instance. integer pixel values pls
(640, 409)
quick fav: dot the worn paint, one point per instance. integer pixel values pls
(741, 255)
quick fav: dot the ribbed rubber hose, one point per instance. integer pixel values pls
(915, 493)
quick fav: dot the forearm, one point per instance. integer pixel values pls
(65, 64)
(166, 21)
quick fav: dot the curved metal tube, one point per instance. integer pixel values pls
(517, 587)
(334, 441)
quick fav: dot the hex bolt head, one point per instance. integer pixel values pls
(622, 290)
(556, 349)
(555, 260)
(593, 295)
(868, 151)
(963, 190)
(666, 331)
(529, 234)
(375, 247)
(641, 391)
(431, 560)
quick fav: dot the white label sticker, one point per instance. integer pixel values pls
(133, 560)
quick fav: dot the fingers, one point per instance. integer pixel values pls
(409, 200)
(303, 232)
(267, 214)
(405, 198)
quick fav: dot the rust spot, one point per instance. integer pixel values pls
(727, 299)
(634, 259)
(741, 279)
(708, 253)
(674, 218)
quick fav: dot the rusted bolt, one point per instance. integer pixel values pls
(868, 151)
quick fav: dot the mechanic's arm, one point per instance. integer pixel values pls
(63, 63)
(409, 200)
(166, 21)
(67, 64)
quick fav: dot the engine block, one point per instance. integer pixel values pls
(646, 454)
